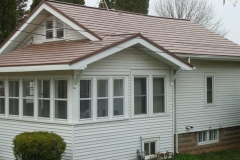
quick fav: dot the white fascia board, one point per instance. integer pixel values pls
(21, 28)
(210, 57)
(70, 23)
(34, 68)
(125, 45)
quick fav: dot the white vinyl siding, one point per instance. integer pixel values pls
(190, 96)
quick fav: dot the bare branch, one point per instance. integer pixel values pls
(199, 11)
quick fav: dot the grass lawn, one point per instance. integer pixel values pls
(229, 154)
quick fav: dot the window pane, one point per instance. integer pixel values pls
(118, 106)
(60, 33)
(49, 24)
(85, 109)
(13, 89)
(215, 134)
(211, 135)
(140, 105)
(140, 87)
(28, 89)
(158, 86)
(61, 89)
(85, 89)
(28, 107)
(158, 104)
(209, 90)
(49, 34)
(204, 136)
(118, 87)
(209, 97)
(60, 24)
(44, 89)
(61, 109)
(146, 149)
(44, 108)
(102, 88)
(2, 105)
(102, 107)
(13, 107)
(209, 83)
(2, 88)
(200, 137)
(153, 148)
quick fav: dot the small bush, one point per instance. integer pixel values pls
(38, 146)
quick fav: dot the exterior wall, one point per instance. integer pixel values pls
(228, 138)
(190, 97)
(120, 139)
(10, 128)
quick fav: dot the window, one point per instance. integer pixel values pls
(54, 28)
(28, 98)
(149, 148)
(85, 99)
(13, 97)
(61, 99)
(158, 95)
(207, 137)
(2, 97)
(210, 89)
(44, 98)
(102, 98)
(140, 95)
(118, 97)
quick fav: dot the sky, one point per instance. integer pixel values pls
(230, 15)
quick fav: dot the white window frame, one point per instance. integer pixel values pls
(150, 74)
(213, 76)
(123, 96)
(27, 98)
(48, 99)
(110, 98)
(149, 140)
(60, 99)
(54, 20)
(91, 99)
(19, 95)
(208, 141)
(4, 97)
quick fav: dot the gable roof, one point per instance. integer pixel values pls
(176, 35)
(71, 52)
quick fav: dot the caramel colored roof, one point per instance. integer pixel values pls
(176, 35)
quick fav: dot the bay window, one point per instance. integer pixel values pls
(61, 99)
(102, 98)
(44, 98)
(85, 99)
(28, 97)
(2, 97)
(13, 97)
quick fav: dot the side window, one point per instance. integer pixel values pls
(28, 98)
(13, 97)
(2, 97)
(61, 99)
(207, 137)
(85, 99)
(140, 95)
(54, 29)
(44, 98)
(210, 89)
(150, 146)
(158, 95)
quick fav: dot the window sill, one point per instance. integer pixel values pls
(210, 105)
(150, 116)
(208, 142)
(100, 120)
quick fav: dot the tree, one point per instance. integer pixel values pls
(8, 18)
(198, 11)
(21, 10)
(110, 4)
(36, 2)
(137, 6)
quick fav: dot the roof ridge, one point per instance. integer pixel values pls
(139, 14)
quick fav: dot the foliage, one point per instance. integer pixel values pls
(38, 146)
(21, 10)
(36, 2)
(198, 11)
(137, 6)
(162, 156)
(110, 4)
(8, 18)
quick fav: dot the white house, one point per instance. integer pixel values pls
(111, 83)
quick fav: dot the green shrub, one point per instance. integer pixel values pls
(38, 146)
(186, 157)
